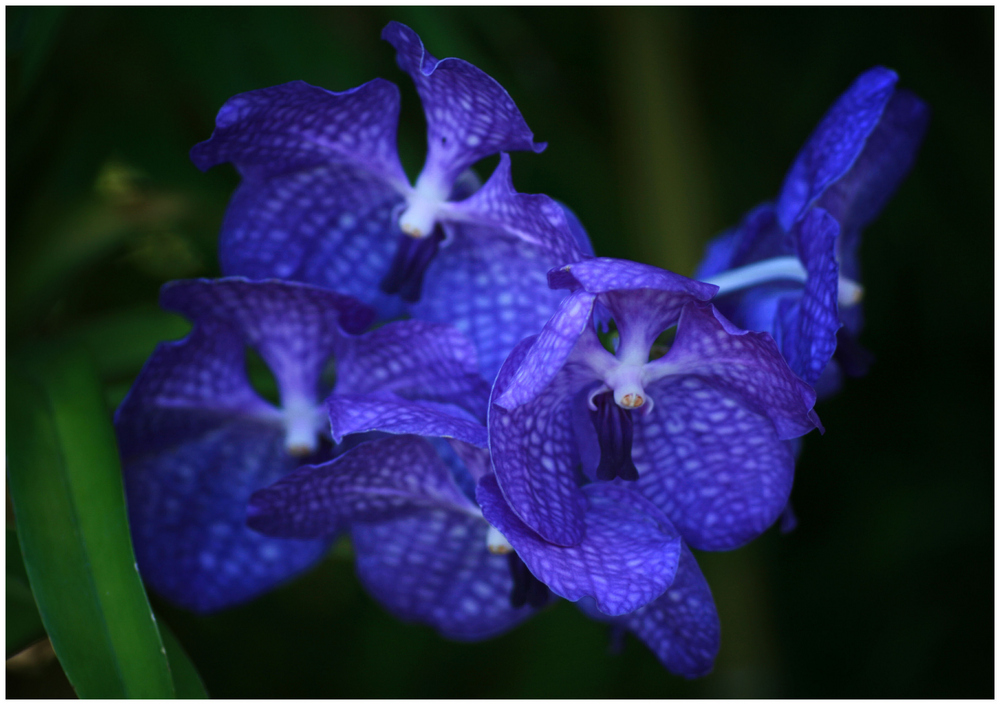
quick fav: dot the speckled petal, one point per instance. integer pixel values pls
(534, 218)
(321, 178)
(716, 469)
(187, 387)
(359, 414)
(602, 274)
(549, 352)
(433, 568)
(187, 513)
(627, 558)
(331, 225)
(744, 366)
(859, 196)
(534, 454)
(681, 627)
(475, 458)
(504, 295)
(295, 126)
(374, 481)
(469, 115)
(809, 323)
(414, 360)
(294, 327)
(643, 300)
(836, 143)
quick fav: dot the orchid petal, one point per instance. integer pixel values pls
(716, 469)
(627, 558)
(836, 143)
(469, 115)
(382, 479)
(533, 451)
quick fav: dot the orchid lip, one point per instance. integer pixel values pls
(614, 426)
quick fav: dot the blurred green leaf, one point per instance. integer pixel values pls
(31, 33)
(66, 489)
(24, 626)
(121, 341)
(187, 682)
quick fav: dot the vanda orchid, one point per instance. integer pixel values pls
(461, 561)
(324, 200)
(791, 267)
(503, 448)
(196, 438)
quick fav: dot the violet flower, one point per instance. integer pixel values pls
(196, 439)
(700, 430)
(324, 200)
(464, 563)
(791, 267)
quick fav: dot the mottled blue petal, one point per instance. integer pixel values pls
(294, 327)
(469, 115)
(383, 479)
(534, 218)
(331, 226)
(809, 323)
(321, 179)
(602, 274)
(858, 197)
(716, 469)
(492, 288)
(187, 387)
(475, 458)
(534, 455)
(627, 558)
(187, 513)
(360, 413)
(681, 627)
(745, 366)
(836, 143)
(414, 360)
(295, 126)
(643, 300)
(433, 568)
(549, 352)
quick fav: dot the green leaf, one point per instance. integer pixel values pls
(66, 489)
(121, 341)
(187, 682)
(24, 626)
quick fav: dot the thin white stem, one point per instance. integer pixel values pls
(849, 292)
(769, 270)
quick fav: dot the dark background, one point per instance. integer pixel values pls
(664, 127)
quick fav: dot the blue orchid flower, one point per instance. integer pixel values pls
(700, 430)
(791, 267)
(196, 439)
(324, 200)
(462, 562)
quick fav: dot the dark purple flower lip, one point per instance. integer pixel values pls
(614, 434)
(406, 272)
(527, 589)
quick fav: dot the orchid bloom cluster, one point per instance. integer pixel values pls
(496, 417)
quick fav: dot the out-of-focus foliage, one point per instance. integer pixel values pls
(66, 488)
(664, 127)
